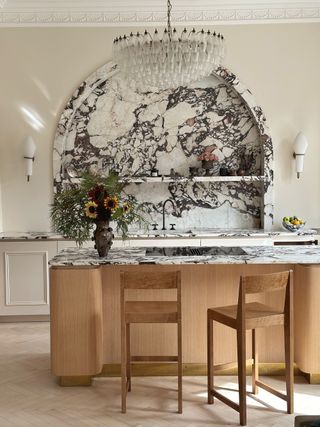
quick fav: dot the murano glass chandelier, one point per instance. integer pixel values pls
(152, 62)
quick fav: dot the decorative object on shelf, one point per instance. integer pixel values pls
(193, 171)
(155, 227)
(152, 62)
(154, 172)
(300, 146)
(292, 223)
(233, 172)
(224, 171)
(243, 167)
(95, 201)
(29, 151)
(209, 161)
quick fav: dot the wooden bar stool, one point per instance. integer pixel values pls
(254, 315)
(148, 312)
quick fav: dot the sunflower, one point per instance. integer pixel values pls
(126, 207)
(111, 203)
(90, 210)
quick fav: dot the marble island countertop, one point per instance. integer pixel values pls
(133, 256)
(143, 234)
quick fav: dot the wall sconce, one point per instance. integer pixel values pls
(29, 150)
(300, 146)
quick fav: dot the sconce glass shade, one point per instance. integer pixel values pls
(300, 146)
(29, 151)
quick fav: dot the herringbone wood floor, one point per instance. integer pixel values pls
(29, 396)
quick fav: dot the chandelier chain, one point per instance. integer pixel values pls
(169, 5)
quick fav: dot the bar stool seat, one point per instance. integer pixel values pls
(254, 315)
(257, 315)
(148, 312)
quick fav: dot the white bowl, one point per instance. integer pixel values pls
(292, 227)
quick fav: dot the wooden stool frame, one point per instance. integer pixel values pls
(148, 312)
(245, 316)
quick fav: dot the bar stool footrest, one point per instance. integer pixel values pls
(271, 390)
(225, 400)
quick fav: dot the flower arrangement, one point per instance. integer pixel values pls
(96, 200)
(208, 155)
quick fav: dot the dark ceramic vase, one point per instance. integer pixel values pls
(103, 238)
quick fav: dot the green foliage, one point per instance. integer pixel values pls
(68, 209)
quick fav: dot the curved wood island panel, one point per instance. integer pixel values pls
(76, 323)
(85, 317)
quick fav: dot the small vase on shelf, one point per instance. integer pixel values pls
(209, 161)
(207, 165)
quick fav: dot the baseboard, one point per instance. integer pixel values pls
(25, 318)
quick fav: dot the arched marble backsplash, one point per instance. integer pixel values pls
(107, 125)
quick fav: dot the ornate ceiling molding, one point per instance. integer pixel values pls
(35, 13)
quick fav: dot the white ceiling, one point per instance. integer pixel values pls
(153, 12)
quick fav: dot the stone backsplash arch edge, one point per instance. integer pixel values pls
(265, 141)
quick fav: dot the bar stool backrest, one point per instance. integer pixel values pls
(265, 282)
(150, 280)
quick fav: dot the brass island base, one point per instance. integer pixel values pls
(170, 369)
(85, 322)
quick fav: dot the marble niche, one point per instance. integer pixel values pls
(108, 126)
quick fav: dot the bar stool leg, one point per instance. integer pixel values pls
(128, 356)
(241, 349)
(210, 358)
(288, 340)
(179, 367)
(255, 364)
(123, 368)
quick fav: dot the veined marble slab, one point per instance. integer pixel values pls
(107, 125)
(134, 256)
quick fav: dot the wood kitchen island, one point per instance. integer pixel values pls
(85, 310)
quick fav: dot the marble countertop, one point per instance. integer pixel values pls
(201, 233)
(133, 256)
(30, 235)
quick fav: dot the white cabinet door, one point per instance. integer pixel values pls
(24, 278)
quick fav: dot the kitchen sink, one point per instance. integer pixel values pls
(195, 251)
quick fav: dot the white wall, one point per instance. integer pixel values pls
(40, 68)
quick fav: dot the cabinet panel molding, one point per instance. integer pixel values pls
(21, 287)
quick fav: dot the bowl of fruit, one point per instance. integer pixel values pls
(292, 223)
